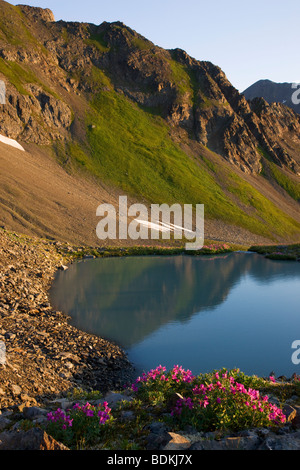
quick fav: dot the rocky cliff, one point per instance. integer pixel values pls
(192, 95)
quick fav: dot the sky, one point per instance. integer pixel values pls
(253, 40)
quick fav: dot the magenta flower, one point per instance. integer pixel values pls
(203, 403)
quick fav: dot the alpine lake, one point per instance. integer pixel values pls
(236, 310)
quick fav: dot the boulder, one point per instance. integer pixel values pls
(229, 443)
(177, 442)
(34, 439)
(113, 399)
(289, 441)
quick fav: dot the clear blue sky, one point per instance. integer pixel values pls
(250, 40)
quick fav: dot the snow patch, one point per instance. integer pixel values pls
(11, 142)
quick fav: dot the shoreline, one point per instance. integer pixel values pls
(45, 355)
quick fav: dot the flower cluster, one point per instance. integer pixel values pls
(153, 374)
(224, 395)
(59, 416)
(102, 412)
(78, 412)
(181, 375)
(223, 399)
(183, 402)
(177, 375)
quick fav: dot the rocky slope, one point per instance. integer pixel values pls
(64, 79)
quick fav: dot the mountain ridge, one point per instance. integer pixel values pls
(157, 124)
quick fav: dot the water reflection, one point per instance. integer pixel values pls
(135, 300)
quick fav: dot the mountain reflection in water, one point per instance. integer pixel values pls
(136, 300)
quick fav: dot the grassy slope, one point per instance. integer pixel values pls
(14, 31)
(288, 184)
(133, 150)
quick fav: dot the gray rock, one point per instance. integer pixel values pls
(4, 422)
(157, 428)
(113, 399)
(34, 439)
(289, 441)
(229, 443)
(157, 441)
(34, 412)
(63, 403)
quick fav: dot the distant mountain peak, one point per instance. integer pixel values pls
(274, 92)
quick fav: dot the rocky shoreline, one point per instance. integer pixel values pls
(46, 359)
(45, 355)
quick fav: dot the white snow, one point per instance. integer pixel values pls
(11, 142)
(162, 227)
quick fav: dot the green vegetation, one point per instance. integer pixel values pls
(14, 30)
(281, 256)
(283, 180)
(279, 252)
(223, 401)
(276, 220)
(17, 75)
(270, 169)
(141, 43)
(97, 40)
(76, 253)
(180, 77)
(13, 27)
(132, 149)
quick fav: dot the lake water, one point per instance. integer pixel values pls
(204, 313)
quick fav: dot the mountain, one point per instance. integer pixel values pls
(286, 93)
(105, 106)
